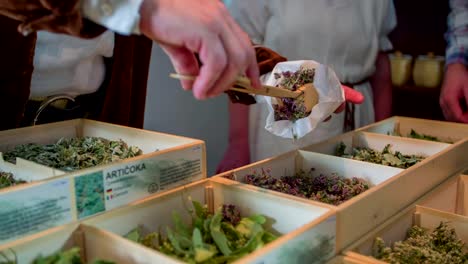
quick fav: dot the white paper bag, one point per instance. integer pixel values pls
(331, 96)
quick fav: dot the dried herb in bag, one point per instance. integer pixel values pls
(71, 154)
(385, 157)
(290, 108)
(441, 246)
(330, 189)
(221, 237)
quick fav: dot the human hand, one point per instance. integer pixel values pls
(351, 96)
(236, 155)
(205, 27)
(454, 94)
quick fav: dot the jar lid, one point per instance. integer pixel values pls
(431, 57)
(400, 56)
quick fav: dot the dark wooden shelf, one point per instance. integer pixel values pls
(414, 101)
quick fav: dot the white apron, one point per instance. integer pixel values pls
(343, 34)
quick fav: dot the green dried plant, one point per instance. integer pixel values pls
(441, 246)
(221, 237)
(385, 157)
(416, 135)
(71, 154)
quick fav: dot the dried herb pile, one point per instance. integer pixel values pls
(331, 189)
(211, 238)
(71, 256)
(416, 135)
(422, 246)
(292, 109)
(71, 154)
(385, 157)
(7, 180)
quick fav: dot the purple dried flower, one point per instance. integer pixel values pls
(332, 189)
(231, 214)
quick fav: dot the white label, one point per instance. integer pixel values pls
(34, 209)
(129, 182)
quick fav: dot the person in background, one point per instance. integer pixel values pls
(349, 36)
(106, 73)
(454, 93)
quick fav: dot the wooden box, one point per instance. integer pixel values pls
(168, 161)
(93, 245)
(444, 131)
(27, 171)
(308, 231)
(450, 197)
(360, 209)
(395, 229)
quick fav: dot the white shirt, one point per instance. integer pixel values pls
(75, 66)
(344, 34)
(69, 65)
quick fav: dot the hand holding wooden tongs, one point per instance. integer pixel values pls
(307, 92)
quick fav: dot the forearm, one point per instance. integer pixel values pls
(81, 18)
(382, 87)
(238, 123)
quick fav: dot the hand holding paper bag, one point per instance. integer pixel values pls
(331, 97)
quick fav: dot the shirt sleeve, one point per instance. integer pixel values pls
(389, 23)
(121, 16)
(252, 16)
(457, 33)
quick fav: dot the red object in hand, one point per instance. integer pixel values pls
(351, 96)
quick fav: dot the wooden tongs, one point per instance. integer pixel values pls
(306, 93)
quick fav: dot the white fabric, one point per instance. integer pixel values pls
(343, 34)
(69, 65)
(328, 88)
(121, 16)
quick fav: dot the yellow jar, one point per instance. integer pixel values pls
(400, 68)
(428, 71)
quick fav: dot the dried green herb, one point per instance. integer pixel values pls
(422, 246)
(292, 109)
(331, 189)
(416, 135)
(386, 157)
(71, 256)
(71, 154)
(221, 237)
(7, 180)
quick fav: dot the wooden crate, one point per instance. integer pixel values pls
(379, 203)
(395, 229)
(308, 231)
(27, 171)
(94, 245)
(360, 209)
(378, 142)
(178, 161)
(450, 197)
(341, 259)
(444, 131)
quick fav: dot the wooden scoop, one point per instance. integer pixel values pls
(306, 94)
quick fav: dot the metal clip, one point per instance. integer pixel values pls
(47, 102)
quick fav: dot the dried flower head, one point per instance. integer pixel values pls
(290, 108)
(422, 246)
(231, 214)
